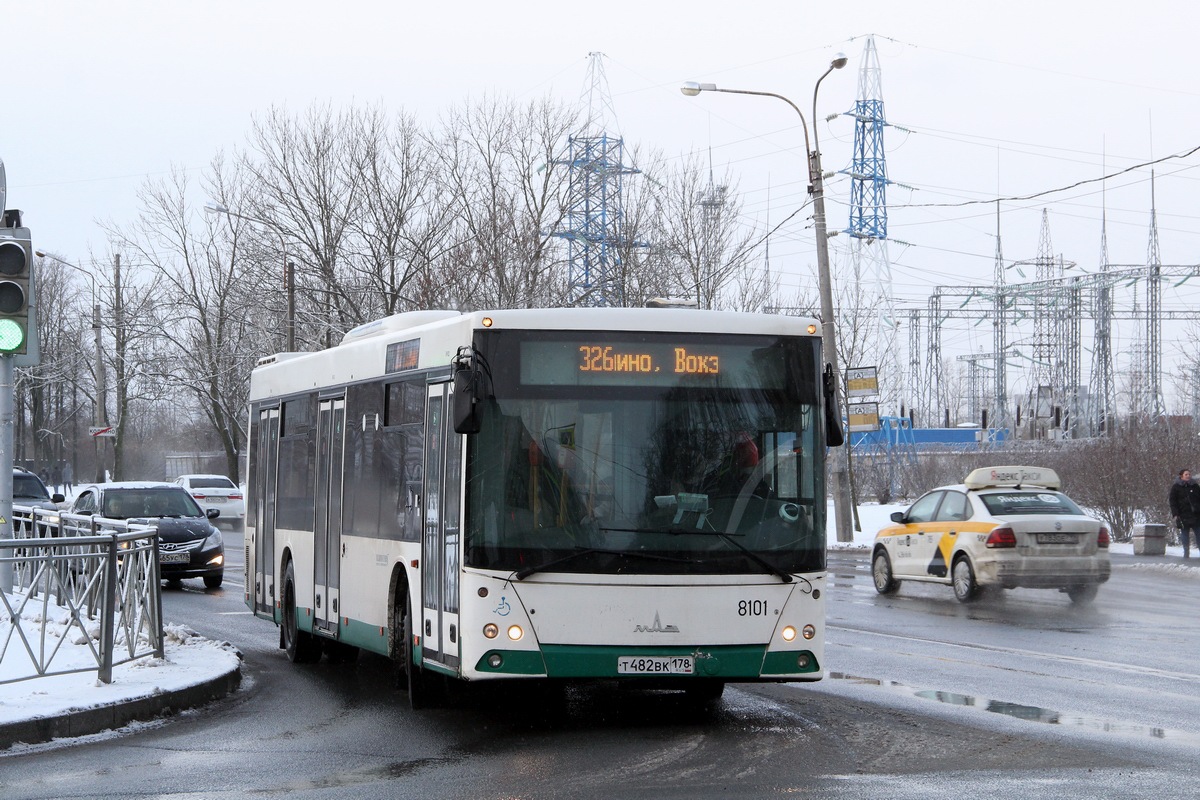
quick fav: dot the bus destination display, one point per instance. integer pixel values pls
(661, 361)
(606, 358)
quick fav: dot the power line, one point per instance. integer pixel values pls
(1045, 192)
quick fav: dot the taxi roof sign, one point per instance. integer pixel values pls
(1015, 477)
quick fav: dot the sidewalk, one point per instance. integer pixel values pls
(195, 671)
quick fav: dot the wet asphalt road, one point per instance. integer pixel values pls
(1018, 696)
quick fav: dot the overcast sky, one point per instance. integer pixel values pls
(1010, 101)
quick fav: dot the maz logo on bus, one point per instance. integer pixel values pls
(597, 358)
(657, 627)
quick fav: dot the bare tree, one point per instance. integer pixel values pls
(51, 390)
(1128, 472)
(130, 310)
(700, 233)
(645, 269)
(403, 219)
(495, 160)
(307, 188)
(209, 300)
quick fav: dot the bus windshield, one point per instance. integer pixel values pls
(647, 453)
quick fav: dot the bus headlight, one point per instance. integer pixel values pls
(490, 630)
(789, 634)
(515, 632)
(809, 631)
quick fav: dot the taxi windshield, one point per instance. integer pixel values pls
(1002, 504)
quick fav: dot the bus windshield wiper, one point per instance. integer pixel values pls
(525, 572)
(676, 530)
(756, 558)
(784, 576)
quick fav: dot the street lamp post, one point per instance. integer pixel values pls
(841, 483)
(99, 414)
(211, 207)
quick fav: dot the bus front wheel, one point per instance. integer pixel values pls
(422, 687)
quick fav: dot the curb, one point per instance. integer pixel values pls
(85, 721)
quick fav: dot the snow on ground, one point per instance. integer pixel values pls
(191, 659)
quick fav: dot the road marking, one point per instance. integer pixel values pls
(1094, 662)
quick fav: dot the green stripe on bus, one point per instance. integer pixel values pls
(580, 661)
(373, 638)
(513, 662)
(787, 662)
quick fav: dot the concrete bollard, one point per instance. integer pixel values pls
(1149, 539)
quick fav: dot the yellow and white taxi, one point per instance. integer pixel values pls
(1002, 527)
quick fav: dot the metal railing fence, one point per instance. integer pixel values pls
(86, 567)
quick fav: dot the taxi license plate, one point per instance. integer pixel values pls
(1057, 538)
(656, 665)
(174, 558)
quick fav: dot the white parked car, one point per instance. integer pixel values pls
(1002, 527)
(219, 492)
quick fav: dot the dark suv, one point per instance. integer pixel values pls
(29, 491)
(189, 545)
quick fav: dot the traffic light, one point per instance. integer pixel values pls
(16, 268)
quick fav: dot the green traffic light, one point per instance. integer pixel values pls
(12, 335)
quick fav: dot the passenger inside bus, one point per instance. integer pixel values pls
(736, 471)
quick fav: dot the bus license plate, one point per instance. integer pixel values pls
(174, 558)
(655, 665)
(1057, 538)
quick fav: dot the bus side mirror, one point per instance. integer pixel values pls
(833, 416)
(465, 406)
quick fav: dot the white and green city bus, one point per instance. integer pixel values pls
(554, 494)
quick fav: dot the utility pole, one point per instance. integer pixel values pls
(101, 390)
(6, 463)
(120, 343)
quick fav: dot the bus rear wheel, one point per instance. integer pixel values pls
(300, 646)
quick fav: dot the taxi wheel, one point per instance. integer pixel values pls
(881, 573)
(966, 589)
(1082, 595)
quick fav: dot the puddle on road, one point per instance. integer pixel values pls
(1030, 713)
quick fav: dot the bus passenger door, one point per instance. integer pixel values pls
(327, 522)
(440, 543)
(263, 549)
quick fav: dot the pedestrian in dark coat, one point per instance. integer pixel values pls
(1184, 498)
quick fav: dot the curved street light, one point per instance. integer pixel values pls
(841, 483)
(289, 278)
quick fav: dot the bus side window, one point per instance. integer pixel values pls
(297, 461)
